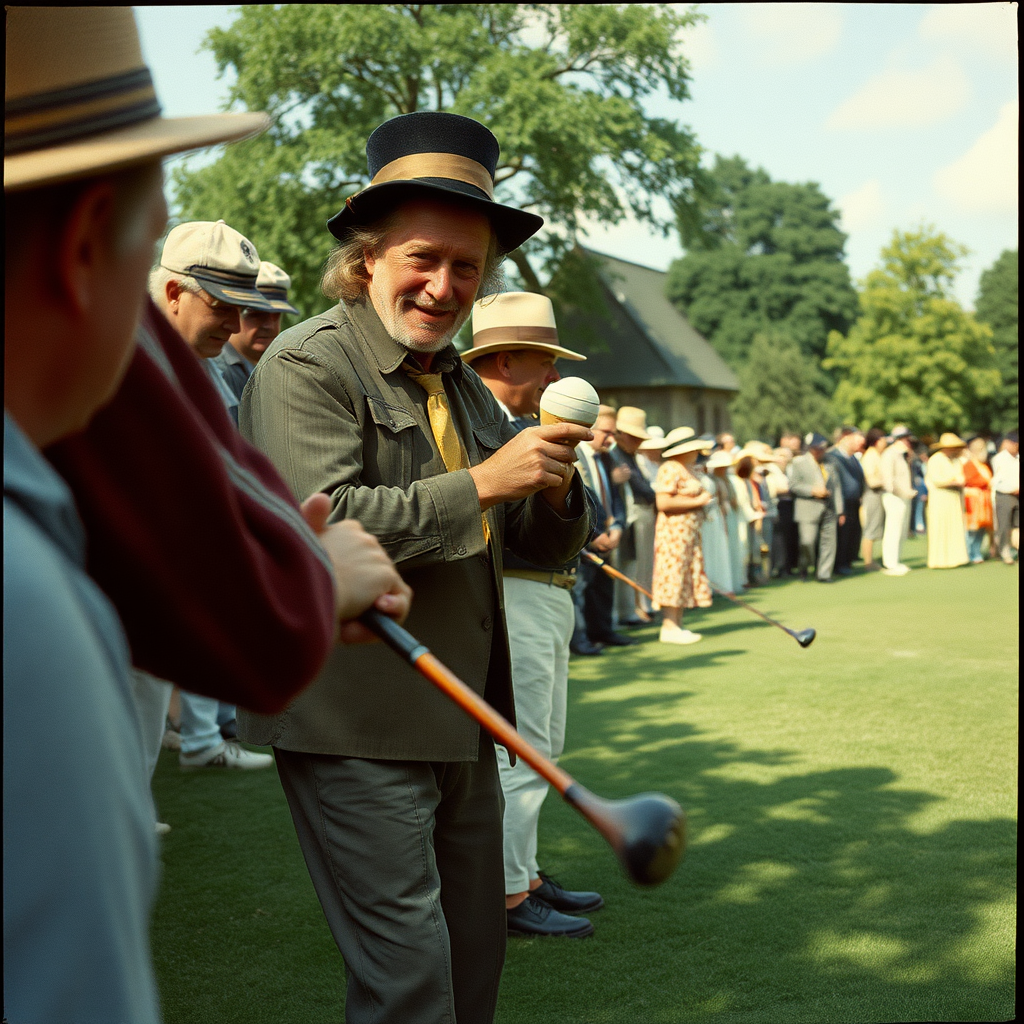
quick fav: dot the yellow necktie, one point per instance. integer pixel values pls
(448, 444)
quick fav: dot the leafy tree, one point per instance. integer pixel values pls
(561, 85)
(761, 254)
(914, 356)
(996, 306)
(779, 391)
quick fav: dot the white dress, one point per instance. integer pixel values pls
(714, 539)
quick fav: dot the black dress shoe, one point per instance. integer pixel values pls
(567, 902)
(585, 647)
(534, 917)
(617, 640)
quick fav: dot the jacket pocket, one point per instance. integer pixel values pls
(390, 448)
(488, 438)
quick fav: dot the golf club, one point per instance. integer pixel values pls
(647, 832)
(804, 637)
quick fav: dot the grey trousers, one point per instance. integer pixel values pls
(405, 857)
(818, 545)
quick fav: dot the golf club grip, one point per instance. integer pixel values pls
(420, 658)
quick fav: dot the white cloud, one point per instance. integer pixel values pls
(699, 46)
(862, 208)
(989, 27)
(904, 99)
(793, 33)
(984, 179)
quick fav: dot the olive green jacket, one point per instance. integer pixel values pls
(332, 407)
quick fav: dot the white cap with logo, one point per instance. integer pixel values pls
(221, 259)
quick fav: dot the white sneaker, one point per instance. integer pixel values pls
(162, 828)
(225, 755)
(897, 570)
(171, 740)
(675, 635)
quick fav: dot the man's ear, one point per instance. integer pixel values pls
(503, 364)
(83, 246)
(172, 290)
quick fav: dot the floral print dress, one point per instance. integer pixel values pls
(679, 579)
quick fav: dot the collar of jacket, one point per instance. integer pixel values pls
(387, 352)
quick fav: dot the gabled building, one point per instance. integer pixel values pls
(649, 355)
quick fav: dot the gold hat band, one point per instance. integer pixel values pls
(490, 335)
(437, 165)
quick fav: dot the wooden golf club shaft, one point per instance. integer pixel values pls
(721, 593)
(420, 658)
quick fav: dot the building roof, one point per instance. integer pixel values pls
(648, 342)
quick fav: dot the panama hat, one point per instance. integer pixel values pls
(678, 434)
(515, 320)
(656, 441)
(720, 460)
(79, 99)
(633, 421)
(434, 154)
(223, 261)
(948, 440)
(681, 448)
(273, 284)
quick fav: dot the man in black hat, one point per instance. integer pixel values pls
(393, 790)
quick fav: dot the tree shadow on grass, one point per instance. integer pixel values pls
(804, 896)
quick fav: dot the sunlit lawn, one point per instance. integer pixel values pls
(852, 817)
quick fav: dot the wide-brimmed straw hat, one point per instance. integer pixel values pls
(678, 434)
(948, 440)
(720, 460)
(515, 320)
(633, 421)
(696, 445)
(79, 99)
(431, 154)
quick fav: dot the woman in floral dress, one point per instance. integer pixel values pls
(679, 579)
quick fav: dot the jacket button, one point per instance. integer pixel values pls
(487, 622)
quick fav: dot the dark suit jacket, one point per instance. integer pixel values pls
(851, 476)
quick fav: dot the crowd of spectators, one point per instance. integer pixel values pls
(691, 515)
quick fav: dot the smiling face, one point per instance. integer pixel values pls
(422, 285)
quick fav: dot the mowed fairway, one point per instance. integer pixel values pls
(852, 829)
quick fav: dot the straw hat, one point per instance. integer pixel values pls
(678, 434)
(681, 447)
(720, 460)
(515, 320)
(656, 441)
(80, 100)
(948, 440)
(432, 154)
(632, 421)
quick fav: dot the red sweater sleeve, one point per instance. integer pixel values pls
(194, 537)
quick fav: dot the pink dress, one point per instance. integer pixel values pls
(679, 580)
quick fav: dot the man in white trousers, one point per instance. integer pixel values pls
(515, 345)
(897, 492)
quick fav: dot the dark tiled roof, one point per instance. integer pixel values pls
(648, 342)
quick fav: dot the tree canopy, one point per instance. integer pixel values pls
(561, 86)
(914, 356)
(996, 306)
(778, 391)
(761, 255)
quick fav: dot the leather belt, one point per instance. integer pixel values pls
(565, 580)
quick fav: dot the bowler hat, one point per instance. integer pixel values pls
(79, 99)
(434, 154)
(515, 320)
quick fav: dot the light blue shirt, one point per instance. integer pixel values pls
(80, 868)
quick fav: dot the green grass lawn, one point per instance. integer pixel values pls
(851, 814)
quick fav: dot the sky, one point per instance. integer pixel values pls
(904, 114)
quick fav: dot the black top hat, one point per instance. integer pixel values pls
(429, 153)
